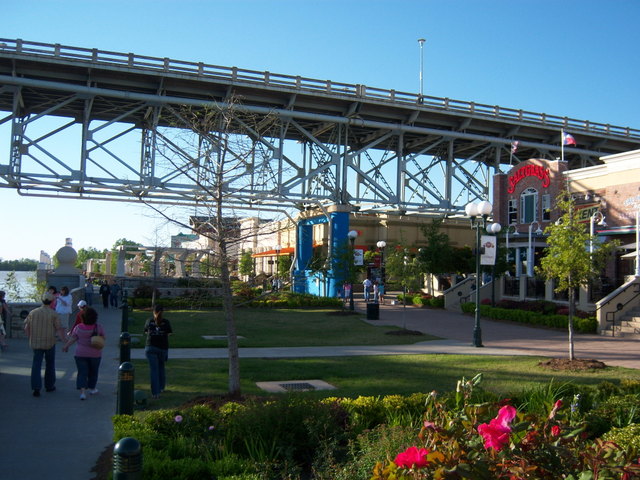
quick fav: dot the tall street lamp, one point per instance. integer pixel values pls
(353, 234)
(530, 255)
(421, 42)
(405, 262)
(478, 214)
(598, 216)
(277, 248)
(381, 244)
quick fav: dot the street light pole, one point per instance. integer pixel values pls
(278, 248)
(353, 234)
(530, 255)
(478, 214)
(381, 244)
(404, 292)
(421, 42)
(592, 220)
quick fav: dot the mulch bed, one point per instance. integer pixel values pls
(575, 365)
(404, 331)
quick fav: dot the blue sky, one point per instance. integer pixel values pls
(575, 58)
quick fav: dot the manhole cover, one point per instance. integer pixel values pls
(297, 387)
(300, 385)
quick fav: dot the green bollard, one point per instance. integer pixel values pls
(125, 347)
(124, 326)
(127, 459)
(125, 389)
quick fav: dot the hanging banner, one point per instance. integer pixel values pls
(358, 257)
(489, 247)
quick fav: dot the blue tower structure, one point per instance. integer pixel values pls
(304, 279)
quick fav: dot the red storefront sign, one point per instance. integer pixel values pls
(529, 171)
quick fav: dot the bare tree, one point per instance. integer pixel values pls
(215, 147)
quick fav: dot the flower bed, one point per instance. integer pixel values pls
(468, 433)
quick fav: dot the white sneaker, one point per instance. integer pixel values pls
(83, 396)
(94, 391)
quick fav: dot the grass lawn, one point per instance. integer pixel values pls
(275, 328)
(375, 375)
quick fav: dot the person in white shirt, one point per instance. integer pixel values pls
(64, 306)
(367, 289)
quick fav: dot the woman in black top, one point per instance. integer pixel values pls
(157, 349)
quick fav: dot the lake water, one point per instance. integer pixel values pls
(25, 288)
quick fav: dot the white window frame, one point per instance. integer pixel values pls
(524, 196)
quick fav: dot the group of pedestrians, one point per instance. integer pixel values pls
(51, 322)
(373, 290)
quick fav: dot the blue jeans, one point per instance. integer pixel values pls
(157, 358)
(87, 372)
(49, 370)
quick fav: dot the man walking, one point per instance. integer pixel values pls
(41, 326)
(367, 289)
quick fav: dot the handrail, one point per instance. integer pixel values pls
(297, 83)
(620, 307)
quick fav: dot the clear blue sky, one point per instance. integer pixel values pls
(575, 58)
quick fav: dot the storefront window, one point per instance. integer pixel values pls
(513, 211)
(529, 206)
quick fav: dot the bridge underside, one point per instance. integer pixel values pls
(89, 124)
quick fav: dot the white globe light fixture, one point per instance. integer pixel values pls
(478, 213)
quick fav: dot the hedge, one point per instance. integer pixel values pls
(582, 325)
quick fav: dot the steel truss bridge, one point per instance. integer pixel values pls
(85, 123)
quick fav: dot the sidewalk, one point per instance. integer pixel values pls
(56, 435)
(59, 435)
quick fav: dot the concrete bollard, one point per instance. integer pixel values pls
(125, 347)
(126, 374)
(127, 459)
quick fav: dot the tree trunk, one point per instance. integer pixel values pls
(571, 297)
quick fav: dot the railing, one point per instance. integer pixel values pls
(297, 83)
(610, 316)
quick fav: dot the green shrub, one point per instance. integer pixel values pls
(583, 325)
(371, 446)
(625, 437)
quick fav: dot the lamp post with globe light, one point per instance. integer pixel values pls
(478, 214)
(530, 254)
(353, 234)
(599, 217)
(381, 244)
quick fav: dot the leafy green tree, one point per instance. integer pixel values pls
(403, 268)
(436, 256)
(567, 259)
(284, 265)
(22, 265)
(85, 254)
(246, 263)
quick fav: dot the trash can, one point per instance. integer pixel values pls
(373, 311)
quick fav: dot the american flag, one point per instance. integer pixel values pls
(567, 139)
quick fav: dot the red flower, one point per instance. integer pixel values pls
(555, 431)
(412, 457)
(496, 432)
(556, 406)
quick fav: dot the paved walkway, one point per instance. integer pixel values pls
(59, 434)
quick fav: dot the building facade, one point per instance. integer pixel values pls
(607, 199)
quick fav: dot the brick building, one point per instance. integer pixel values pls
(607, 197)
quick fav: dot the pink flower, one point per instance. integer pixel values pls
(556, 407)
(178, 418)
(496, 432)
(412, 457)
(555, 431)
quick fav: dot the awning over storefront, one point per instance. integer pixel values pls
(273, 253)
